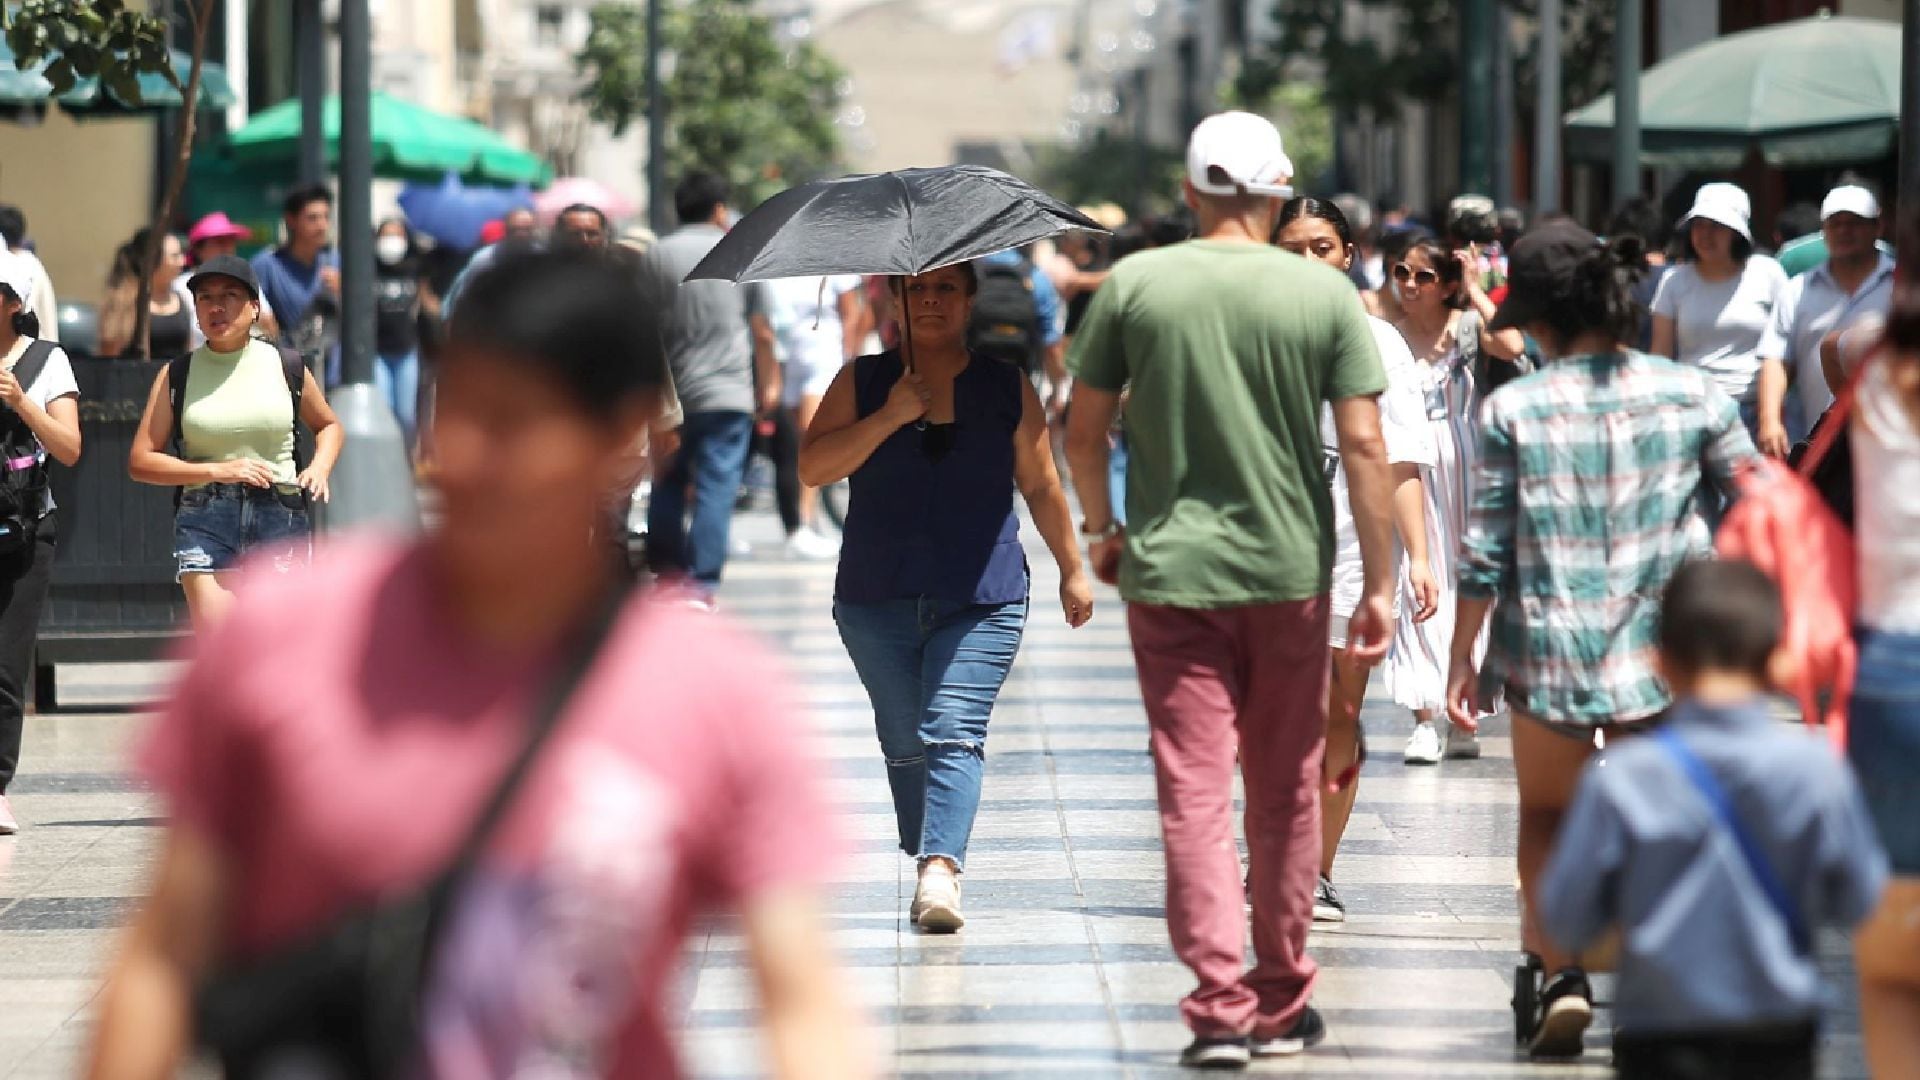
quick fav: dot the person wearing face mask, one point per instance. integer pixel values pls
(402, 299)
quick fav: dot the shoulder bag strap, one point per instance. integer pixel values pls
(33, 362)
(293, 368)
(1722, 805)
(579, 660)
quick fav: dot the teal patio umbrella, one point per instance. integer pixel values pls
(410, 142)
(1815, 91)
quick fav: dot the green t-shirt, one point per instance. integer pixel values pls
(1229, 350)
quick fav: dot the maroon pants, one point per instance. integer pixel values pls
(1251, 680)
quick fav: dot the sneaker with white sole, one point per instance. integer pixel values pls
(1216, 1052)
(1423, 746)
(936, 899)
(1566, 1011)
(1306, 1033)
(809, 546)
(1462, 745)
(1327, 905)
(8, 825)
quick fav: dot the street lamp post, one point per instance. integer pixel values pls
(1910, 114)
(656, 125)
(372, 484)
(1626, 101)
(310, 49)
(1546, 113)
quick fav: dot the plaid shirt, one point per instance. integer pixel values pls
(1588, 496)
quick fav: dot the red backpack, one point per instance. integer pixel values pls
(1782, 525)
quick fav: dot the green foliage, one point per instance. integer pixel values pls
(739, 101)
(1113, 167)
(84, 39)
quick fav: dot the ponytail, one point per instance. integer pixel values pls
(1599, 293)
(26, 324)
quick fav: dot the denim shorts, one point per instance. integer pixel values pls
(1883, 741)
(220, 524)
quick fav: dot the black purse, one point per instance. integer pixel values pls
(1832, 475)
(345, 1001)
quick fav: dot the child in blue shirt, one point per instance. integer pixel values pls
(1716, 844)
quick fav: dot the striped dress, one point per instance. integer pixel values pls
(1416, 668)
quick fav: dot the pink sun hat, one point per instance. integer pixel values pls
(217, 226)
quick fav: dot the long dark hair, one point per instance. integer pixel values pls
(1307, 206)
(1599, 292)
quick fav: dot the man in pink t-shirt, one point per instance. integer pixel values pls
(333, 773)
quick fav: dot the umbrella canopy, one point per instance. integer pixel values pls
(573, 190)
(453, 213)
(1809, 92)
(907, 222)
(409, 143)
(89, 98)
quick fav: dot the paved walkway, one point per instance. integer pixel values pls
(1063, 969)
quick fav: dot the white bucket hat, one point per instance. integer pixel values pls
(17, 275)
(1238, 153)
(1725, 204)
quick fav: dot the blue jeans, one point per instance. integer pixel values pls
(397, 379)
(933, 671)
(712, 458)
(1883, 741)
(219, 524)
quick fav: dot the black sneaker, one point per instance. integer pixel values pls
(1307, 1032)
(1327, 905)
(1566, 1009)
(1216, 1052)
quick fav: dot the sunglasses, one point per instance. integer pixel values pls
(1404, 274)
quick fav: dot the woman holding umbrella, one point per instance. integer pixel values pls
(932, 593)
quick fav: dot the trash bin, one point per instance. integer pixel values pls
(113, 597)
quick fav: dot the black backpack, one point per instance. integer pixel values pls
(1006, 317)
(292, 367)
(23, 472)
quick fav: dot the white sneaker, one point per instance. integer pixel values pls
(936, 900)
(809, 546)
(8, 826)
(1423, 747)
(1462, 745)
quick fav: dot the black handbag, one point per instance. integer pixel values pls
(1832, 475)
(345, 1001)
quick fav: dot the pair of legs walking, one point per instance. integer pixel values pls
(24, 576)
(712, 458)
(933, 671)
(1252, 681)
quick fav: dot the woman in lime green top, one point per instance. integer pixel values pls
(231, 447)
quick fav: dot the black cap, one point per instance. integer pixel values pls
(1537, 269)
(226, 266)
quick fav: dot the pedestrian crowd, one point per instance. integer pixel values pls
(1488, 460)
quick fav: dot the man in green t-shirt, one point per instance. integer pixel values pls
(1228, 348)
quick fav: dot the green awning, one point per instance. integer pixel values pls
(1823, 90)
(410, 142)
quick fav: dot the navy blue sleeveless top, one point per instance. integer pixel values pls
(939, 526)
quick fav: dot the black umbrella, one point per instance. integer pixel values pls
(907, 222)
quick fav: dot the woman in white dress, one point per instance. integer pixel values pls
(1443, 316)
(1316, 229)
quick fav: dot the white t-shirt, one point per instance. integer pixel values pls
(1886, 507)
(55, 382)
(1409, 439)
(807, 318)
(1718, 325)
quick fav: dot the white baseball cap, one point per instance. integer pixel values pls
(17, 275)
(1238, 153)
(1726, 204)
(1850, 199)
